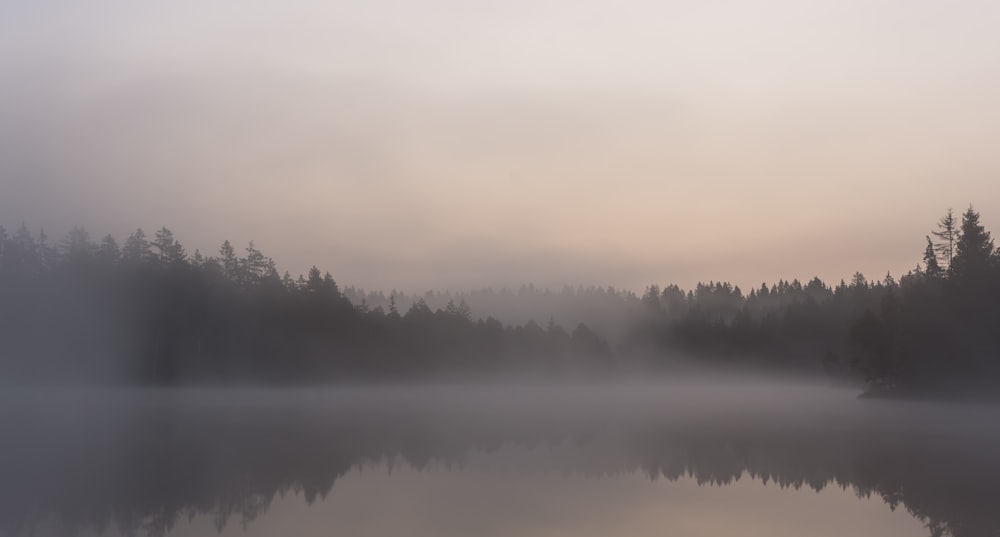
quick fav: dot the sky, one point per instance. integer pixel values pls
(454, 144)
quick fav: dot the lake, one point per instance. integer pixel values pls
(683, 458)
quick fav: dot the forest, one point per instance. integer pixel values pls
(146, 312)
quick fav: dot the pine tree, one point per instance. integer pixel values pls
(974, 248)
(230, 263)
(77, 247)
(136, 248)
(933, 269)
(948, 233)
(108, 251)
(254, 265)
(169, 251)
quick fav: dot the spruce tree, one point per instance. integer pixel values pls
(948, 233)
(973, 249)
(933, 269)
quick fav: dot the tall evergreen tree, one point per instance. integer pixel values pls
(169, 251)
(77, 246)
(948, 234)
(255, 265)
(108, 251)
(136, 249)
(932, 268)
(230, 263)
(974, 248)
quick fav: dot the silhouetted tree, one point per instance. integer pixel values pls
(169, 252)
(948, 234)
(229, 261)
(973, 250)
(137, 248)
(88, 308)
(931, 266)
(108, 251)
(255, 265)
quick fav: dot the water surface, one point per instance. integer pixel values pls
(721, 458)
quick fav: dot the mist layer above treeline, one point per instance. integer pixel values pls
(147, 312)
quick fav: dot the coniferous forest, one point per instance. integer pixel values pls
(147, 312)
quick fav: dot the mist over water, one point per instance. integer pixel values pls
(539, 268)
(526, 459)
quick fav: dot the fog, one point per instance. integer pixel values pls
(538, 268)
(459, 145)
(146, 461)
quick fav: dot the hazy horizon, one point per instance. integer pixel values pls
(456, 145)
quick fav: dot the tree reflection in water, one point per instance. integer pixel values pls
(140, 461)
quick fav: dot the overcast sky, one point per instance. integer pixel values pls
(458, 144)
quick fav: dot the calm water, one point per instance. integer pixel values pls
(685, 459)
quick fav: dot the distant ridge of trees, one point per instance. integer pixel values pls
(148, 312)
(935, 331)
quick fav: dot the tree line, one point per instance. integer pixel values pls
(934, 331)
(147, 312)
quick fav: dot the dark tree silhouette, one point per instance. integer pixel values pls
(147, 313)
(948, 233)
(973, 250)
(932, 267)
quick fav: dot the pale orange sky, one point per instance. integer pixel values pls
(447, 144)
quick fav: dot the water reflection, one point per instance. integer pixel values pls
(435, 502)
(139, 463)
